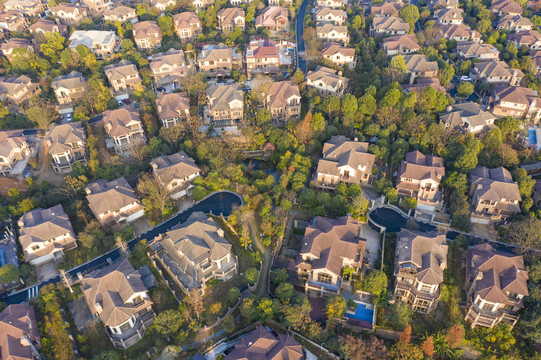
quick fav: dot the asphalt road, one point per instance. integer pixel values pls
(218, 203)
(302, 63)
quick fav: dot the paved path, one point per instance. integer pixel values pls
(267, 255)
(302, 63)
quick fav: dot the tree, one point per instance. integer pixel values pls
(265, 309)
(166, 24)
(195, 302)
(353, 348)
(455, 336)
(404, 349)
(427, 346)
(285, 292)
(465, 89)
(53, 46)
(248, 309)
(410, 14)
(303, 131)
(8, 274)
(525, 234)
(169, 323)
(375, 282)
(298, 78)
(349, 105)
(42, 112)
(233, 295)
(260, 88)
(410, 202)
(335, 308)
(279, 276)
(155, 197)
(398, 63)
(251, 275)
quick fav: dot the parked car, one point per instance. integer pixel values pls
(120, 103)
(68, 117)
(465, 78)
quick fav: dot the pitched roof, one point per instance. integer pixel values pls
(118, 122)
(406, 41)
(472, 112)
(120, 70)
(187, 19)
(328, 28)
(418, 166)
(388, 24)
(525, 37)
(172, 57)
(17, 321)
(261, 344)
(221, 96)
(48, 26)
(280, 92)
(459, 31)
(110, 196)
(514, 94)
(476, 49)
(385, 8)
(146, 29)
(73, 80)
(327, 76)
(215, 53)
(419, 63)
(495, 185)
(448, 14)
(322, 11)
(510, 21)
(175, 166)
(60, 137)
(170, 106)
(506, 6)
(11, 140)
(227, 16)
(330, 48)
(120, 12)
(270, 15)
(496, 69)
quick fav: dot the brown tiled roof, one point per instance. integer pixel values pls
(473, 112)
(388, 24)
(328, 76)
(60, 137)
(419, 63)
(11, 140)
(330, 49)
(187, 19)
(117, 122)
(495, 69)
(17, 321)
(476, 49)
(146, 29)
(175, 166)
(280, 92)
(170, 106)
(385, 8)
(327, 28)
(48, 26)
(73, 80)
(407, 41)
(525, 37)
(506, 6)
(459, 31)
(495, 184)
(510, 21)
(514, 94)
(419, 166)
(448, 14)
(228, 15)
(270, 16)
(110, 196)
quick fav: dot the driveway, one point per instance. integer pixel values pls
(372, 244)
(46, 271)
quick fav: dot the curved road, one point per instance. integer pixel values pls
(218, 203)
(302, 63)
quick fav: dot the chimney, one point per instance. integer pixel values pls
(356, 139)
(220, 232)
(449, 108)
(479, 276)
(98, 308)
(25, 341)
(443, 264)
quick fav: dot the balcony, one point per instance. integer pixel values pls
(325, 286)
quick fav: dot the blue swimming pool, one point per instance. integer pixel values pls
(362, 313)
(532, 138)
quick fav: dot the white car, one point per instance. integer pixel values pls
(465, 78)
(68, 117)
(120, 103)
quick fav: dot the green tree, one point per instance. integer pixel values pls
(410, 202)
(349, 105)
(42, 112)
(166, 24)
(169, 323)
(410, 14)
(251, 275)
(398, 62)
(248, 309)
(279, 276)
(375, 282)
(53, 46)
(335, 308)
(9, 273)
(233, 295)
(465, 89)
(265, 309)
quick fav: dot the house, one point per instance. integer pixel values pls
(97, 7)
(274, 19)
(100, 43)
(230, 18)
(386, 9)
(200, 4)
(66, 143)
(388, 26)
(175, 172)
(114, 202)
(496, 72)
(420, 84)
(277, 2)
(44, 234)
(460, 33)
(147, 35)
(45, 26)
(14, 153)
(15, 43)
(496, 284)
(333, 33)
(326, 81)
(536, 60)
(419, 177)
(494, 195)
(117, 296)
(124, 129)
(262, 344)
(19, 337)
(440, 4)
(195, 252)
(269, 58)
(518, 102)
(123, 77)
(216, 60)
(68, 89)
(187, 25)
(339, 55)
(15, 90)
(240, 2)
(333, 4)
(13, 21)
(401, 44)
(172, 108)
(331, 16)
(473, 50)
(163, 5)
(225, 105)
(417, 65)
(345, 161)
(26, 7)
(468, 118)
(329, 246)
(529, 38)
(515, 23)
(505, 7)
(68, 13)
(420, 259)
(168, 68)
(283, 102)
(452, 16)
(120, 13)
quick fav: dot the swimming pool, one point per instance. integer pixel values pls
(532, 138)
(362, 313)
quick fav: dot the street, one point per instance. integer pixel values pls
(299, 33)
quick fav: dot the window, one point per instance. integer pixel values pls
(324, 278)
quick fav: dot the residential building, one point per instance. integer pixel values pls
(452, 16)
(273, 18)
(117, 296)
(240, 2)
(45, 26)
(344, 160)
(216, 60)
(175, 172)
(386, 9)
(44, 235)
(124, 129)
(496, 284)
(68, 89)
(100, 43)
(468, 118)
(460, 33)
(334, 33)
(187, 25)
(26, 7)
(14, 153)
(225, 105)
(496, 72)
(15, 43)
(505, 7)
(417, 65)
(283, 102)
(68, 13)
(67, 145)
(195, 252)
(200, 4)
(333, 4)
(114, 202)
(147, 35)
(420, 84)
(518, 102)
(163, 5)
(269, 58)
(536, 60)
(401, 44)
(120, 13)
(262, 344)
(230, 18)
(420, 259)
(326, 81)
(494, 195)
(97, 7)
(339, 55)
(13, 21)
(172, 108)
(440, 4)
(330, 16)
(515, 23)
(329, 246)
(15, 90)
(389, 26)
(472, 50)
(419, 177)
(123, 77)
(529, 38)
(168, 68)
(19, 337)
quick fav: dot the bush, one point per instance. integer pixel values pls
(233, 295)
(251, 275)
(279, 276)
